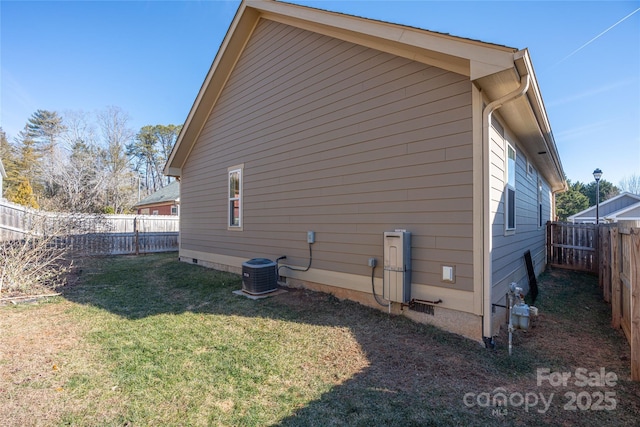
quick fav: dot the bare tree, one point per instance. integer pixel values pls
(79, 129)
(120, 187)
(34, 264)
(630, 184)
(80, 179)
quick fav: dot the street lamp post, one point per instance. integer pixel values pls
(597, 174)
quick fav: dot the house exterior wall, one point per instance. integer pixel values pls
(343, 140)
(607, 208)
(615, 205)
(533, 209)
(633, 213)
(162, 209)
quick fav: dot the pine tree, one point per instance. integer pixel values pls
(22, 194)
(45, 127)
(571, 202)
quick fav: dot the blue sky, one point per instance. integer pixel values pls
(150, 58)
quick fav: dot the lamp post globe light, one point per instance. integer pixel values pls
(597, 174)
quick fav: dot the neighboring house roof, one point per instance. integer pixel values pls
(170, 193)
(496, 70)
(630, 213)
(610, 208)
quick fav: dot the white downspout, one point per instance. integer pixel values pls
(487, 327)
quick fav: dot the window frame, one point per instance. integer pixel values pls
(531, 170)
(509, 186)
(540, 196)
(233, 199)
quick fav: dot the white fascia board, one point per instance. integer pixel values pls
(484, 58)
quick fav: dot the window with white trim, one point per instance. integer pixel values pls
(510, 190)
(540, 195)
(235, 197)
(531, 171)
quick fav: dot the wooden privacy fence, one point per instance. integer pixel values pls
(119, 243)
(620, 281)
(573, 246)
(613, 252)
(87, 234)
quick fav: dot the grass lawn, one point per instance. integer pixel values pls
(147, 340)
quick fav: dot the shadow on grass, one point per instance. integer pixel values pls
(416, 374)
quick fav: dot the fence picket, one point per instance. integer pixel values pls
(573, 246)
(634, 339)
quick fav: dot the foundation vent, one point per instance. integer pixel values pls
(421, 308)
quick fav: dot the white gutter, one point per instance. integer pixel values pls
(487, 309)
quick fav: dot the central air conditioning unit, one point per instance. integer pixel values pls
(259, 276)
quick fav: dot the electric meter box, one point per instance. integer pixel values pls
(397, 266)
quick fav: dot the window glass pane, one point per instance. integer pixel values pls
(234, 213)
(511, 166)
(511, 203)
(234, 184)
(235, 197)
(510, 188)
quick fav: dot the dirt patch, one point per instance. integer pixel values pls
(571, 335)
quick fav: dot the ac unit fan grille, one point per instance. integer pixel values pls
(259, 276)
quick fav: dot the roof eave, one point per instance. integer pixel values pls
(232, 45)
(527, 118)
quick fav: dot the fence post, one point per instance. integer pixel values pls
(596, 257)
(605, 263)
(635, 304)
(615, 278)
(549, 243)
(135, 231)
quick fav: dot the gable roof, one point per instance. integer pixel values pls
(631, 212)
(170, 193)
(606, 209)
(494, 69)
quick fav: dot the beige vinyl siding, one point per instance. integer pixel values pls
(508, 247)
(340, 139)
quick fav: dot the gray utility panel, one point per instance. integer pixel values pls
(397, 266)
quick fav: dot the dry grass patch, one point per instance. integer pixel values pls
(33, 363)
(44, 360)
